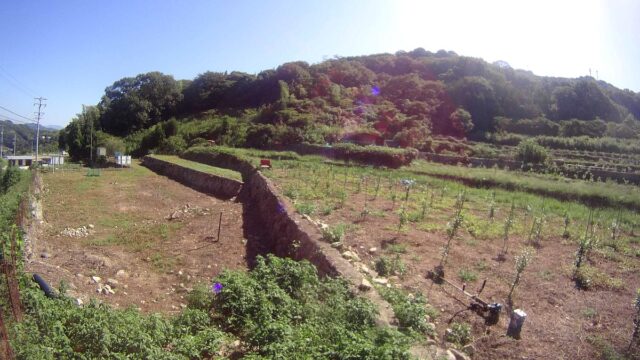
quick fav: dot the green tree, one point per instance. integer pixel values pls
(132, 104)
(461, 121)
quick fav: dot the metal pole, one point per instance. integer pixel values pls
(1, 139)
(38, 117)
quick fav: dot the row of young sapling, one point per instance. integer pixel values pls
(414, 201)
(586, 243)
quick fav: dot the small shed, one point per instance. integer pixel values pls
(123, 160)
(20, 160)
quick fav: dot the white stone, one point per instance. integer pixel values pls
(350, 255)
(365, 285)
(373, 250)
(96, 279)
(381, 281)
(459, 355)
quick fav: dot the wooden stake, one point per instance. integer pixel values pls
(219, 225)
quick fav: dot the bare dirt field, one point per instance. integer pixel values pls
(150, 239)
(560, 316)
(564, 322)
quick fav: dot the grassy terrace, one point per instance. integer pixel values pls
(600, 194)
(607, 194)
(325, 184)
(201, 167)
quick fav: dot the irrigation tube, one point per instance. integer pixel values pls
(48, 291)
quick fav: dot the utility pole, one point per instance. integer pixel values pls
(1, 139)
(39, 114)
(14, 143)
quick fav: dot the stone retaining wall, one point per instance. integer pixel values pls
(218, 186)
(288, 233)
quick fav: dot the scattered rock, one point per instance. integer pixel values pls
(469, 349)
(91, 226)
(381, 281)
(365, 269)
(79, 302)
(365, 285)
(121, 274)
(235, 344)
(336, 245)
(97, 261)
(45, 255)
(76, 232)
(350, 255)
(373, 250)
(444, 355)
(96, 279)
(459, 355)
(112, 282)
(108, 289)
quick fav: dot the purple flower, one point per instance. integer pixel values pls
(216, 288)
(280, 208)
(375, 91)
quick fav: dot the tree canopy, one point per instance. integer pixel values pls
(405, 96)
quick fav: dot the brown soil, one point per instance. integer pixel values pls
(560, 316)
(162, 234)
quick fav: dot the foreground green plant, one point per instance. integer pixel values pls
(459, 334)
(385, 266)
(334, 233)
(635, 336)
(412, 311)
(280, 309)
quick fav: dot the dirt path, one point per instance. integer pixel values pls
(147, 237)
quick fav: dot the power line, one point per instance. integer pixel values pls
(15, 82)
(39, 114)
(15, 113)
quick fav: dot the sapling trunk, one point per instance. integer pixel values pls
(522, 261)
(453, 227)
(507, 227)
(615, 226)
(587, 242)
(492, 206)
(565, 232)
(423, 213)
(344, 185)
(375, 195)
(402, 219)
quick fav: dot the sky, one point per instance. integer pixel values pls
(69, 51)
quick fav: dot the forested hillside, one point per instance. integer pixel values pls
(406, 97)
(24, 137)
